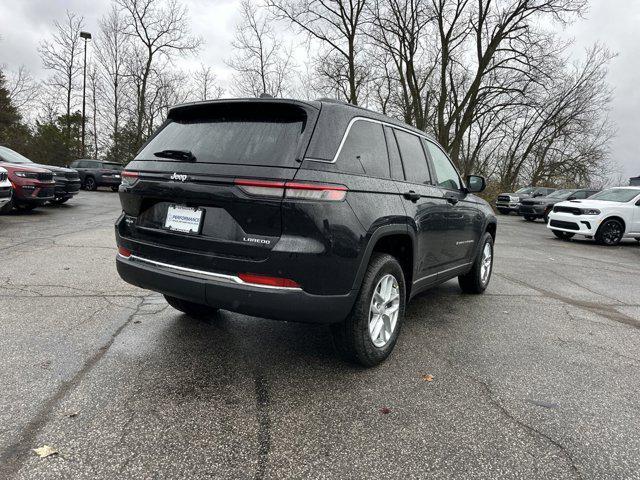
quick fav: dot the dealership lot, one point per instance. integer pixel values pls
(538, 378)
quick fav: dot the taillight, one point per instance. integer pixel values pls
(125, 252)
(266, 280)
(129, 178)
(293, 190)
(265, 188)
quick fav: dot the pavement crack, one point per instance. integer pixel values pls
(13, 457)
(264, 423)
(604, 310)
(532, 431)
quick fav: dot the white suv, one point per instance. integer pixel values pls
(609, 216)
(5, 188)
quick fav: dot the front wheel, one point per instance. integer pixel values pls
(563, 235)
(477, 279)
(115, 188)
(503, 211)
(610, 233)
(367, 336)
(191, 309)
(60, 201)
(529, 218)
(7, 207)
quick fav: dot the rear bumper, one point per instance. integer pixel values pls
(104, 181)
(223, 291)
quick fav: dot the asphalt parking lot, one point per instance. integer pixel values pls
(538, 378)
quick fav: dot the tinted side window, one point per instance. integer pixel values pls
(394, 155)
(413, 157)
(364, 150)
(445, 172)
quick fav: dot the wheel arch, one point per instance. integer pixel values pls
(396, 240)
(617, 217)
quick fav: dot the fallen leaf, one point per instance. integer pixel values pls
(45, 451)
(72, 414)
(427, 378)
(137, 321)
(385, 410)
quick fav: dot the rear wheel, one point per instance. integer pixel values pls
(369, 333)
(477, 279)
(610, 233)
(563, 235)
(193, 310)
(90, 184)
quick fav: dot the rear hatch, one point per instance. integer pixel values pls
(195, 187)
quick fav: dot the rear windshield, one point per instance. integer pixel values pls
(112, 166)
(238, 134)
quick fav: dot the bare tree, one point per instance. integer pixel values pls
(94, 80)
(112, 48)
(205, 85)
(161, 30)
(261, 62)
(22, 88)
(61, 55)
(337, 25)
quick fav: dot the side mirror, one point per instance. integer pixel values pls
(571, 198)
(476, 183)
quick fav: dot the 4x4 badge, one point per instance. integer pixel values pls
(177, 176)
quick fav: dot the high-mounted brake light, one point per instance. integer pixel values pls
(266, 280)
(293, 190)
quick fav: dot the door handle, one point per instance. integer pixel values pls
(452, 200)
(411, 195)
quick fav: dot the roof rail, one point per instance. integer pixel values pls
(333, 100)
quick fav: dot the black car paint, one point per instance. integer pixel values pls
(103, 177)
(324, 246)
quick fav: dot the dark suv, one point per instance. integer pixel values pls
(303, 211)
(539, 207)
(96, 173)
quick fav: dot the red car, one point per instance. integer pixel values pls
(32, 186)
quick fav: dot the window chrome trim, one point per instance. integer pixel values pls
(223, 278)
(364, 119)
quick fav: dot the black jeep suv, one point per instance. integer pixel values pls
(302, 211)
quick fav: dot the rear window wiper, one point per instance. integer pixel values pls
(184, 155)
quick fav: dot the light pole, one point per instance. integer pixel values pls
(86, 36)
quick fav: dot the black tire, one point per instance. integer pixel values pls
(475, 281)
(351, 337)
(25, 207)
(114, 188)
(7, 207)
(529, 218)
(610, 233)
(563, 235)
(503, 211)
(191, 309)
(90, 184)
(545, 217)
(59, 201)
(638, 239)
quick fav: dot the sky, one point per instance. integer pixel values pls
(614, 23)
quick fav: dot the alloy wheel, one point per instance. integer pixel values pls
(611, 232)
(485, 263)
(384, 309)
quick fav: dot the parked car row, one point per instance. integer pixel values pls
(25, 185)
(608, 216)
